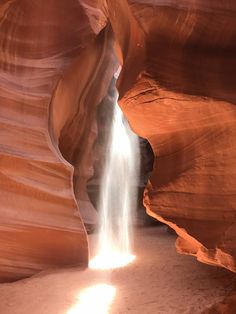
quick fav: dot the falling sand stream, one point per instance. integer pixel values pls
(118, 195)
(159, 281)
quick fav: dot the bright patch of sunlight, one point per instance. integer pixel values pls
(94, 300)
(110, 259)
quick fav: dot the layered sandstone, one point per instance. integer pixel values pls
(192, 186)
(51, 56)
(184, 104)
(177, 89)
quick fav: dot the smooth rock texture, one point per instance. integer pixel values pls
(192, 186)
(184, 104)
(190, 45)
(50, 59)
(177, 89)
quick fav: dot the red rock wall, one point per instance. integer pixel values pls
(50, 59)
(184, 104)
(177, 88)
(192, 186)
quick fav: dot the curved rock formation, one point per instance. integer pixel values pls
(192, 186)
(190, 45)
(183, 103)
(177, 88)
(50, 60)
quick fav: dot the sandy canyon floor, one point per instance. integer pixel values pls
(159, 281)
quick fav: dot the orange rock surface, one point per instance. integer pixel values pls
(184, 103)
(177, 89)
(51, 57)
(192, 186)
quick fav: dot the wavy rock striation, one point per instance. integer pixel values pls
(192, 186)
(184, 104)
(177, 88)
(50, 59)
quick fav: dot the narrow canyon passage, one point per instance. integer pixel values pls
(59, 81)
(159, 281)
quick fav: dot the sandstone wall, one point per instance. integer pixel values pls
(50, 59)
(177, 89)
(184, 104)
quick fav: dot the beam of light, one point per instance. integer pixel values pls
(111, 259)
(94, 300)
(118, 195)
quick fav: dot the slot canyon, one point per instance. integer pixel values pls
(66, 67)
